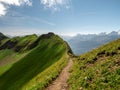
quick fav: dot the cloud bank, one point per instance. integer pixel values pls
(51, 4)
(55, 4)
(2, 9)
(4, 4)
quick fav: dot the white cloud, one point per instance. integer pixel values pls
(54, 4)
(2, 9)
(16, 2)
(4, 3)
(51, 3)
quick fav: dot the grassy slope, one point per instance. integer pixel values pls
(8, 56)
(26, 40)
(98, 69)
(46, 60)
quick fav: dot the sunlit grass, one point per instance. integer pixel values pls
(98, 69)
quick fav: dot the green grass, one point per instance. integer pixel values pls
(8, 58)
(5, 53)
(4, 68)
(3, 41)
(98, 69)
(22, 42)
(48, 75)
(5, 63)
(26, 40)
(46, 60)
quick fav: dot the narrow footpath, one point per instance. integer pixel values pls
(61, 81)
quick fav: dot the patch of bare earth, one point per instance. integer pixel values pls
(6, 60)
(61, 81)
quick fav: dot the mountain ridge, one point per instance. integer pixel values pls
(38, 63)
(21, 70)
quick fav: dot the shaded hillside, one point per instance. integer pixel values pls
(2, 36)
(98, 69)
(37, 67)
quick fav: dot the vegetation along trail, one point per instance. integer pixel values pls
(61, 81)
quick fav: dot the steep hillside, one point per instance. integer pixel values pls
(2, 36)
(13, 49)
(98, 69)
(45, 58)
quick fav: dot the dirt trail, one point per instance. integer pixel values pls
(61, 81)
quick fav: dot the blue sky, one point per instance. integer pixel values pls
(66, 17)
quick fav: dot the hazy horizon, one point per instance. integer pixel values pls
(64, 35)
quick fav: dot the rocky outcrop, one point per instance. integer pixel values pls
(9, 45)
(2, 36)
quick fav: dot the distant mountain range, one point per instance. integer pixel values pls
(82, 43)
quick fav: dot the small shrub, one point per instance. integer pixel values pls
(118, 71)
(104, 70)
(101, 53)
